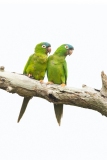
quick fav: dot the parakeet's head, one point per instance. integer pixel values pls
(43, 47)
(64, 50)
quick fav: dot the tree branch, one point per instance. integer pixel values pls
(85, 97)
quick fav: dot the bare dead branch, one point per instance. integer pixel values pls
(85, 97)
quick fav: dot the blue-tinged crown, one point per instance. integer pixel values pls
(46, 44)
(68, 46)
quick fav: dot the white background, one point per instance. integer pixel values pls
(83, 132)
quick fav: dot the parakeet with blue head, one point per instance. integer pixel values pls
(36, 68)
(57, 72)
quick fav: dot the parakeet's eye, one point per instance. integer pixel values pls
(66, 47)
(43, 46)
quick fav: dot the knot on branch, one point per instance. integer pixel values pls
(2, 80)
(53, 98)
(9, 89)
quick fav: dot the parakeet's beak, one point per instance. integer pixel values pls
(70, 52)
(48, 49)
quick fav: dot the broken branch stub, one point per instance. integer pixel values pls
(103, 90)
(86, 97)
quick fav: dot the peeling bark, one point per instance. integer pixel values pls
(85, 97)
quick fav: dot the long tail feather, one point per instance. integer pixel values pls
(58, 108)
(23, 108)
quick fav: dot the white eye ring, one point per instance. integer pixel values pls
(43, 46)
(66, 47)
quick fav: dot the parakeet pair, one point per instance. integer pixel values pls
(56, 67)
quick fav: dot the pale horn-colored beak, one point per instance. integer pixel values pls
(48, 49)
(70, 52)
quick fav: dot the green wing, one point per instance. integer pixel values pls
(65, 71)
(48, 64)
(28, 62)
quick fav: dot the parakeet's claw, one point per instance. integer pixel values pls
(49, 82)
(63, 84)
(41, 81)
(29, 75)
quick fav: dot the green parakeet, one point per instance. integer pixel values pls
(36, 67)
(57, 72)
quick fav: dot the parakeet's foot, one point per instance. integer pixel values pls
(41, 81)
(63, 84)
(49, 82)
(29, 75)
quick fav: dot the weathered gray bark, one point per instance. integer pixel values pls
(85, 97)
